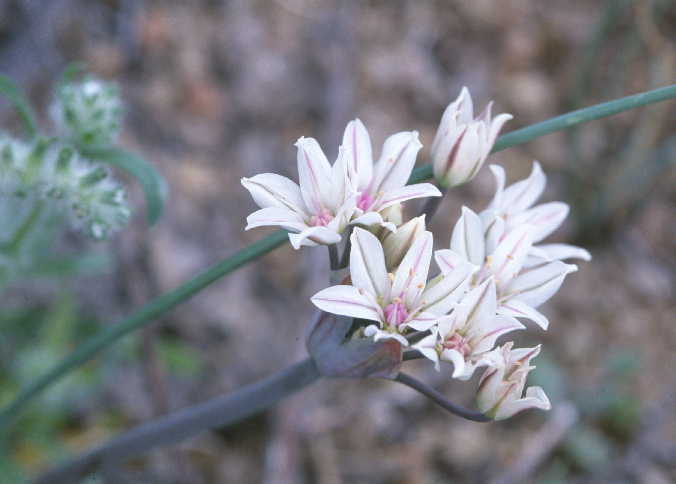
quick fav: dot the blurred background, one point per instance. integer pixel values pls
(217, 90)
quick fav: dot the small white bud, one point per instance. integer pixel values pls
(462, 142)
(396, 244)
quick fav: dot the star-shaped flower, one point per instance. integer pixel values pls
(398, 302)
(317, 211)
(383, 184)
(465, 337)
(520, 287)
(512, 207)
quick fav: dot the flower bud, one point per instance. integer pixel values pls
(396, 244)
(501, 387)
(88, 112)
(462, 142)
(393, 214)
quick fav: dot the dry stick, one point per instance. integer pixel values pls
(217, 412)
(440, 400)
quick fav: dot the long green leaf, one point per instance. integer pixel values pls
(154, 186)
(167, 301)
(16, 97)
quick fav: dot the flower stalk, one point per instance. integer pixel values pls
(219, 412)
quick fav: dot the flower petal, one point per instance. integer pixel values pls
(314, 174)
(272, 190)
(358, 153)
(499, 174)
(509, 256)
(458, 360)
(479, 304)
(373, 218)
(538, 284)
(521, 195)
(340, 187)
(440, 297)
(367, 264)
(378, 334)
(535, 398)
(494, 231)
(564, 251)
(313, 236)
(496, 125)
(277, 217)
(411, 276)
(394, 167)
(519, 309)
(397, 243)
(490, 330)
(422, 321)
(409, 192)
(546, 218)
(426, 347)
(347, 301)
(448, 261)
(468, 237)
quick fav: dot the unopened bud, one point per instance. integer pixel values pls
(501, 387)
(396, 244)
(462, 142)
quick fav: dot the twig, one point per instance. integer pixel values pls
(218, 412)
(440, 400)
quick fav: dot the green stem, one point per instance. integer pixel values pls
(566, 121)
(167, 301)
(218, 412)
(140, 318)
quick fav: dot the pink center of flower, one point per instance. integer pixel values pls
(396, 313)
(365, 201)
(322, 218)
(458, 343)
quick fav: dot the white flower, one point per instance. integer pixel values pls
(396, 244)
(462, 142)
(514, 207)
(469, 332)
(382, 184)
(521, 287)
(397, 302)
(317, 210)
(501, 387)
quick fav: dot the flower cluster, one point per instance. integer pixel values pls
(354, 191)
(89, 113)
(57, 173)
(493, 276)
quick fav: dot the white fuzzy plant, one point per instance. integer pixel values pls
(48, 184)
